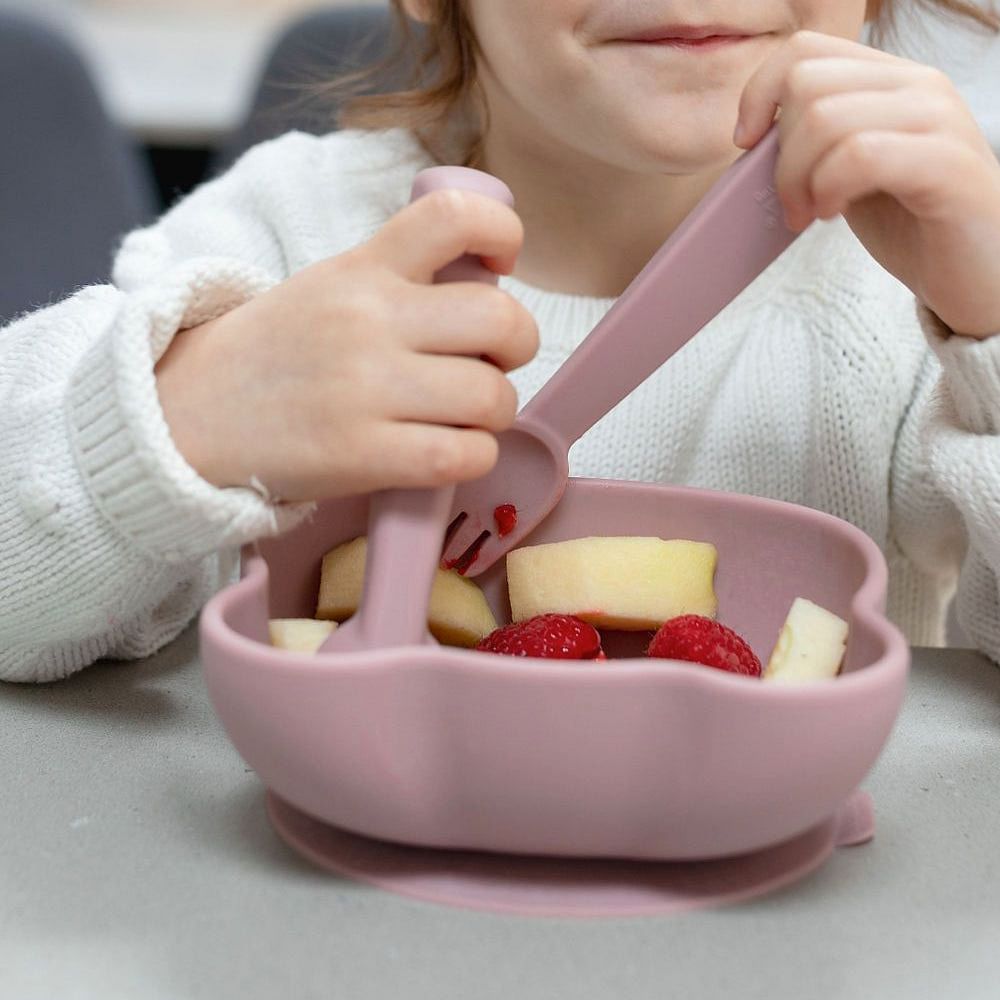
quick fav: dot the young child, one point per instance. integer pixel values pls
(276, 338)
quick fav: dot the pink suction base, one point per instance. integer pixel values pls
(568, 887)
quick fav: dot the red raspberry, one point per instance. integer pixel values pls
(702, 640)
(554, 637)
(506, 518)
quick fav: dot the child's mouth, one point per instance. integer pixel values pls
(707, 43)
(689, 38)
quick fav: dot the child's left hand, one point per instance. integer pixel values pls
(891, 145)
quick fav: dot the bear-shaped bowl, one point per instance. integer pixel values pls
(631, 758)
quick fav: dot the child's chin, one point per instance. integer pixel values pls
(692, 154)
(690, 141)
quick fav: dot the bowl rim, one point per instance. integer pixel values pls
(215, 632)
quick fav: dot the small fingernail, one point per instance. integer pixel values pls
(498, 266)
(740, 133)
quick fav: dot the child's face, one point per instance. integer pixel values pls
(594, 79)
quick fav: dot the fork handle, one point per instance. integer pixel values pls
(406, 527)
(732, 235)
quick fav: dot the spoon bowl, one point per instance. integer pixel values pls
(534, 471)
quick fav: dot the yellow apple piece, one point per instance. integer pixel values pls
(810, 645)
(618, 582)
(300, 635)
(458, 614)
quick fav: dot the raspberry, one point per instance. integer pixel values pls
(552, 636)
(506, 518)
(702, 640)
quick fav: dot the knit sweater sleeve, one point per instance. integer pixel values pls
(110, 541)
(956, 453)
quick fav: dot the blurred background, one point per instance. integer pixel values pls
(178, 75)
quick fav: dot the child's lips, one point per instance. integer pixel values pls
(706, 44)
(689, 38)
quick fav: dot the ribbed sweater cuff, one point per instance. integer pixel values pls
(122, 442)
(971, 372)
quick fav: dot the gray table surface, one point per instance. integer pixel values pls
(136, 861)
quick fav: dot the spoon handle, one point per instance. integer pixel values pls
(732, 235)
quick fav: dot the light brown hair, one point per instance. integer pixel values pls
(442, 105)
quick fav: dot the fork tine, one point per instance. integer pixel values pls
(450, 532)
(466, 534)
(469, 556)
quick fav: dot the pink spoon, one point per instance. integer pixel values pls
(406, 527)
(732, 235)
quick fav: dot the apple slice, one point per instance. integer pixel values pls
(458, 614)
(300, 635)
(810, 645)
(631, 583)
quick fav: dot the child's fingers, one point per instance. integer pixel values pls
(809, 137)
(923, 172)
(441, 226)
(811, 79)
(421, 456)
(762, 96)
(453, 391)
(471, 319)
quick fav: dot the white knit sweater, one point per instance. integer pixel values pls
(817, 385)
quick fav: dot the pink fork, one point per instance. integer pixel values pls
(732, 235)
(406, 527)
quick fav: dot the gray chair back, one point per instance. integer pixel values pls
(71, 183)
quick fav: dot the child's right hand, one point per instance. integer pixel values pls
(358, 373)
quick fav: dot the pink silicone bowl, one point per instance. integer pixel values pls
(632, 758)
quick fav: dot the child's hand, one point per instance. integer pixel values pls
(891, 145)
(358, 373)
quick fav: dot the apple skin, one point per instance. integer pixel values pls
(631, 583)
